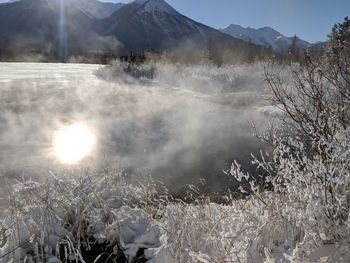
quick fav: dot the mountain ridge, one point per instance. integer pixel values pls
(265, 36)
(141, 25)
(95, 8)
(158, 28)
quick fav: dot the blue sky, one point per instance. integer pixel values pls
(311, 20)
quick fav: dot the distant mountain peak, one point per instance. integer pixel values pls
(135, 27)
(264, 36)
(156, 5)
(96, 8)
(234, 26)
(266, 28)
(269, 30)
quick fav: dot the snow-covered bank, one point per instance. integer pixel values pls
(69, 215)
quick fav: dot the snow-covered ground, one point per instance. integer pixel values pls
(42, 71)
(186, 123)
(177, 127)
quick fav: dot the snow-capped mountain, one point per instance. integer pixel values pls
(92, 27)
(96, 8)
(265, 36)
(154, 6)
(155, 25)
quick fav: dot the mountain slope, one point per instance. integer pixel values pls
(96, 8)
(32, 26)
(22, 27)
(74, 28)
(265, 36)
(92, 8)
(155, 25)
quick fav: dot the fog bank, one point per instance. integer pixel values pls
(176, 123)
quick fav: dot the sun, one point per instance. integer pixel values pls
(73, 143)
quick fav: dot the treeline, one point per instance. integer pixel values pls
(215, 56)
(214, 53)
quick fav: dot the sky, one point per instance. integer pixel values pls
(311, 20)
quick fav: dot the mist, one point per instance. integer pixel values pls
(178, 124)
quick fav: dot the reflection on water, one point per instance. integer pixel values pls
(176, 136)
(73, 143)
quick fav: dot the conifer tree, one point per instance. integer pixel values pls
(293, 51)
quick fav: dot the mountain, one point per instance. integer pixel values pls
(93, 8)
(265, 36)
(59, 29)
(96, 8)
(155, 25)
(33, 26)
(23, 26)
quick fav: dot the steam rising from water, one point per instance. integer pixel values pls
(184, 124)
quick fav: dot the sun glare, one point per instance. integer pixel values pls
(73, 143)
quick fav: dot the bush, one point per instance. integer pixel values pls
(309, 174)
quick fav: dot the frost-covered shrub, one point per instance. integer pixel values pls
(67, 215)
(207, 79)
(297, 210)
(306, 182)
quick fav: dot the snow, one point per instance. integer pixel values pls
(270, 110)
(96, 8)
(114, 211)
(131, 228)
(136, 231)
(156, 5)
(71, 207)
(46, 72)
(265, 36)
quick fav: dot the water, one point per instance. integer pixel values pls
(175, 135)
